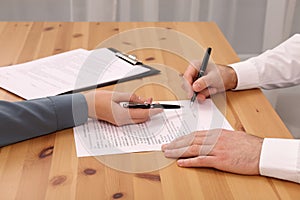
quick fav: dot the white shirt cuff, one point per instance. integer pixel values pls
(280, 159)
(247, 75)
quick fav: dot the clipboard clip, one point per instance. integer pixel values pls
(128, 58)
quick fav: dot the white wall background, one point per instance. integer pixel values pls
(251, 26)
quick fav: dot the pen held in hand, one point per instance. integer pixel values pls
(149, 106)
(202, 71)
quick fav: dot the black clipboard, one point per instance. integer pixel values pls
(128, 58)
(103, 57)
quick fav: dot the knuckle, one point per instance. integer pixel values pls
(194, 150)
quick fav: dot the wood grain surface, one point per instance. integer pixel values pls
(48, 168)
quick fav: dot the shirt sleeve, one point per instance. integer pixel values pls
(276, 68)
(28, 119)
(280, 159)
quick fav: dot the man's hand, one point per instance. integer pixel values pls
(104, 105)
(218, 78)
(231, 151)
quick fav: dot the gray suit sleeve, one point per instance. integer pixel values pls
(28, 119)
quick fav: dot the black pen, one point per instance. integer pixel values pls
(149, 106)
(202, 70)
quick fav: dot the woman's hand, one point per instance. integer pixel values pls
(105, 105)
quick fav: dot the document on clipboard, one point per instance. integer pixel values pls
(72, 71)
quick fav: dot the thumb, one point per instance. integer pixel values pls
(200, 84)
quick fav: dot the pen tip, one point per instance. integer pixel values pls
(191, 104)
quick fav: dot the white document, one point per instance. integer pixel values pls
(65, 72)
(101, 138)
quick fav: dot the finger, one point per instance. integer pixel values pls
(200, 84)
(128, 120)
(191, 72)
(148, 100)
(201, 97)
(189, 151)
(137, 99)
(200, 161)
(135, 116)
(140, 115)
(138, 121)
(206, 93)
(155, 111)
(206, 139)
(143, 113)
(186, 140)
(186, 86)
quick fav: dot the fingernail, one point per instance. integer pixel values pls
(213, 91)
(168, 153)
(164, 146)
(180, 163)
(201, 98)
(196, 86)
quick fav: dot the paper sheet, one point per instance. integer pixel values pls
(101, 138)
(65, 72)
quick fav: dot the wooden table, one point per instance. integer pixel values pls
(47, 167)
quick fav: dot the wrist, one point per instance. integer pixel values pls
(229, 76)
(233, 78)
(90, 100)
